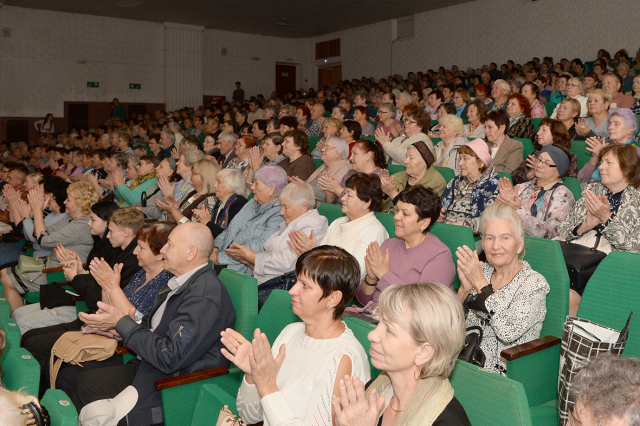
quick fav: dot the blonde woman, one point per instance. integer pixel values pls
(330, 127)
(452, 135)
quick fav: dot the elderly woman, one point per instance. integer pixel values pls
(350, 132)
(597, 124)
(361, 116)
(476, 188)
(270, 153)
(165, 173)
(335, 156)
(622, 128)
(544, 202)
(230, 188)
(443, 109)
(519, 112)
(131, 194)
(434, 100)
(636, 94)
(303, 115)
(420, 158)
(414, 255)
(358, 229)
(531, 91)
(330, 127)
(256, 222)
(366, 157)
(506, 152)
(416, 345)
(476, 114)
(73, 233)
(296, 388)
(451, 134)
(606, 392)
(500, 92)
(276, 257)
(203, 196)
(503, 296)
(298, 162)
(604, 218)
(242, 148)
(461, 100)
(568, 113)
(188, 156)
(416, 125)
(387, 120)
(550, 132)
(574, 91)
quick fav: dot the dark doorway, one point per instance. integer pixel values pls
(285, 79)
(78, 116)
(18, 130)
(327, 76)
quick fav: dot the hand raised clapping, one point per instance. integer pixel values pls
(352, 407)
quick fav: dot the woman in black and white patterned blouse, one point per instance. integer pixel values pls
(504, 296)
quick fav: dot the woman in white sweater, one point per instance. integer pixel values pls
(354, 233)
(296, 389)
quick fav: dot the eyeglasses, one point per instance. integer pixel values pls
(573, 85)
(407, 121)
(327, 148)
(540, 160)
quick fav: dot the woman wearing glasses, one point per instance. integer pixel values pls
(416, 124)
(544, 202)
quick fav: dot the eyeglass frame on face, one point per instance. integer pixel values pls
(409, 121)
(540, 160)
(573, 85)
(327, 148)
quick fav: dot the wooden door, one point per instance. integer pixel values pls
(285, 78)
(325, 77)
(78, 116)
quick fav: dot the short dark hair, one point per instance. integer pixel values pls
(378, 155)
(300, 139)
(628, 159)
(368, 188)
(151, 159)
(103, 209)
(450, 108)
(289, 121)
(426, 201)
(438, 94)
(57, 187)
(333, 269)
(353, 127)
(155, 235)
(499, 117)
(262, 124)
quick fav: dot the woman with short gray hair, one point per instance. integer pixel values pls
(276, 257)
(335, 154)
(503, 296)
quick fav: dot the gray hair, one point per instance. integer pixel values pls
(406, 96)
(609, 387)
(234, 180)
(628, 118)
(228, 136)
(272, 176)
(190, 155)
(174, 126)
(106, 136)
(341, 110)
(298, 193)
(364, 95)
(578, 82)
(518, 81)
(170, 136)
(341, 146)
(505, 86)
(273, 109)
(500, 211)
(390, 107)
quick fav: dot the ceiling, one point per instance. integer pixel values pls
(279, 18)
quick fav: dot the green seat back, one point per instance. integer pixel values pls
(370, 138)
(361, 330)
(313, 141)
(61, 410)
(527, 146)
(545, 257)
(330, 211)
(638, 117)
(395, 168)
(505, 174)
(489, 399)
(56, 277)
(12, 332)
(318, 162)
(588, 66)
(374, 123)
(549, 106)
(582, 155)
(201, 137)
(454, 236)
(243, 291)
(327, 114)
(250, 197)
(612, 293)
(628, 88)
(447, 173)
(574, 186)
(536, 123)
(435, 141)
(211, 400)
(276, 314)
(21, 371)
(5, 307)
(387, 221)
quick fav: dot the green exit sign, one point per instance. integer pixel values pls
(93, 84)
(134, 86)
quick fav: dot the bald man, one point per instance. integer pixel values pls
(180, 335)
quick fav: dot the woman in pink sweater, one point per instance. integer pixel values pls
(414, 255)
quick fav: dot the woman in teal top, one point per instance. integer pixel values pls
(146, 178)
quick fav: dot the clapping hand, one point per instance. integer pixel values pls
(328, 182)
(202, 214)
(165, 187)
(382, 136)
(118, 177)
(255, 158)
(595, 145)
(442, 215)
(582, 128)
(240, 253)
(237, 349)
(168, 205)
(175, 154)
(352, 407)
(295, 179)
(598, 209)
(106, 318)
(300, 243)
(37, 199)
(377, 264)
(107, 278)
(264, 368)
(388, 184)
(24, 208)
(508, 194)
(470, 269)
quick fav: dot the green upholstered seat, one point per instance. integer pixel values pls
(395, 168)
(447, 173)
(574, 186)
(527, 146)
(318, 162)
(387, 221)
(5, 307)
(549, 106)
(505, 174)
(61, 410)
(12, 333)
(454, 236)
(579, 148)
(536, 122)
(313, 141)
(243, 291)
(330, 211)
(20, 370)
(361, 330)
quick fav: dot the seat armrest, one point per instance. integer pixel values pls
(190, 378)
(63, 283)
(49, 270)
(122, 349)
(529, 347)
(77, 298)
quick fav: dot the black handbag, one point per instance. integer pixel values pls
(144, 197)
(581, 263)
(471, 352)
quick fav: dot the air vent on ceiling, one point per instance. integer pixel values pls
(328, 49)
(402, 28)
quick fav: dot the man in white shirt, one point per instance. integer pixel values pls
(255, 111)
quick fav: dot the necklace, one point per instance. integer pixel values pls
(331, 331)
(391, 403)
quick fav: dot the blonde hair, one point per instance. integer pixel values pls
(11, 407)
(35, 176)
(606, 96)
(190, 155)
(431, 313)
(455, 122)
(209, 172)
(84, 194)
(336, 123)
(501, 211)
(128, 217)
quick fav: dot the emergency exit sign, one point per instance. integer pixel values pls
(93, 84)
(134, 86)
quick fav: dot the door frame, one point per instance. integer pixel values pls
(299, 79)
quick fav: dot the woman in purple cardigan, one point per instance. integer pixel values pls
(414, 255)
